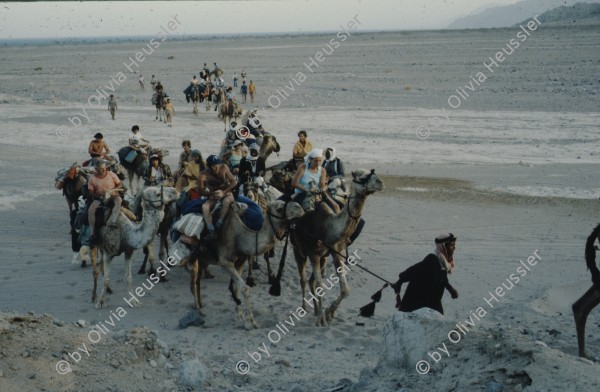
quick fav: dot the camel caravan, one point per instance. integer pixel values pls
(229, 209)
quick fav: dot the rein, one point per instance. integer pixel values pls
(269, 215)
(161, 202)
(362, 182)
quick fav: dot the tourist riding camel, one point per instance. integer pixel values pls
(189, 179)
(137, 141)
(310, 183)
(235, 156)
(158, 173)
(428, 279)
(103, 181)
(302, 147)
(98, 148)
(184, 157)
(216, 183)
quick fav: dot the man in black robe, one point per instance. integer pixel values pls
(428, 278)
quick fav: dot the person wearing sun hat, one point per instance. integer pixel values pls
(428, 279)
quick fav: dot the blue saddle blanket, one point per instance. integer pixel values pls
(252, 217)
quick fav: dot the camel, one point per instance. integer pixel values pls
(163, 231)
(316, 234)
(591, 298)
(228, 110)
(208, 95)
(73, 184)
(282, 175)
(197, 94)
(268, 146)
(127, 237)
(257, 191)
(235, 242)
(159, 100)
(135, 169)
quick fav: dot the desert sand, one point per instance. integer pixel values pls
(511, 171)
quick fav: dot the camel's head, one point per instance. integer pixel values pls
(269, 145)
(285, 210)
(367, 182)
(158, 196)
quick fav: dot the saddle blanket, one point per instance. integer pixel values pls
(251, 216)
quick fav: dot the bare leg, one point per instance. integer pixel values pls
(116, 210)
(206, 207)
(581, 310)
(92, 216)
(227, 201)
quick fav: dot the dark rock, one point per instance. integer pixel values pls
(191, 319)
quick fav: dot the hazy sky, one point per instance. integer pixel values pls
(85, 19)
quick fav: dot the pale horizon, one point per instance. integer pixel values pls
(81, 20)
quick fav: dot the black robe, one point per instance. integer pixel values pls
(426, 284)
(246, 166)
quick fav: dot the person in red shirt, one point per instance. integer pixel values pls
(102, 181)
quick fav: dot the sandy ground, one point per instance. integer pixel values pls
(510, 172)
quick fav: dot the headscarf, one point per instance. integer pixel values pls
(253, 146)
(315, 153)
(447, 263)
(332, 154)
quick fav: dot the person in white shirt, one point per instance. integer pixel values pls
(137, 141)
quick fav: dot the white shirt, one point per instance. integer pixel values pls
(157, 174)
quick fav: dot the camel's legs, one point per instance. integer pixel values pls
(94, 260)
(105, 287)
(250, 279)
(130, 175)
(316, 281)
(195, 283)
(151, 258)
(239, 285)
(581, 310)
(142, 269)
(269, 269)
(301, 262)
(128, 262)
(163, 249)
(344, 288)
